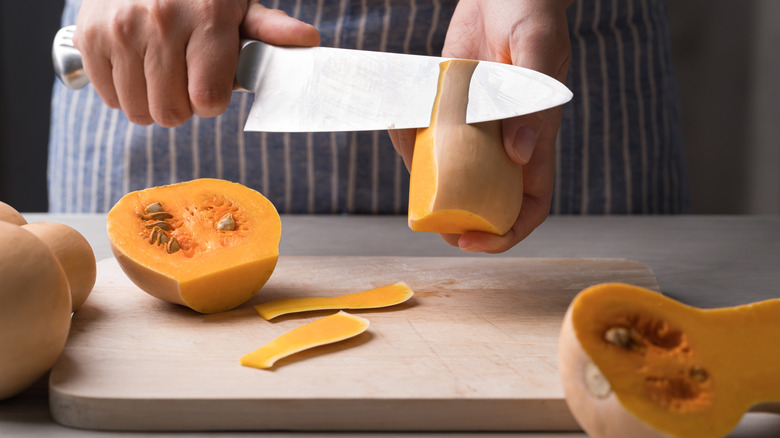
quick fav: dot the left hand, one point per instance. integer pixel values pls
(527, 33)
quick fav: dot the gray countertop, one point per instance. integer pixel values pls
(705, 261)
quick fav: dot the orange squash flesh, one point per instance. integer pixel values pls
(461, 178)
(212, 269)
(670, 369)
(334, 328)
(383, 296)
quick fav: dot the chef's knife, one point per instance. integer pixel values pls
(319, 89)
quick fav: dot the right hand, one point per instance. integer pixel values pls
(165, 60)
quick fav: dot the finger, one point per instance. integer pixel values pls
(99, 72)
(452, 239)
(274, 26)
(96, 64)
(165, 67)
(520, 135)
(211, 67)
(533, 213)
(541, 41)
(130, 83)
(403, 142)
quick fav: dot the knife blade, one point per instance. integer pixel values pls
(323, 89)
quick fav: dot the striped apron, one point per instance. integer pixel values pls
(619, 149)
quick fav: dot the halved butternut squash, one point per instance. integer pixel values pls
(636, 363)
(207, 244)
(461, 177)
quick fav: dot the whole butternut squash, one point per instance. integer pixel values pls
(35, 309)
(10, 214)
(74, 254)
(634, 363)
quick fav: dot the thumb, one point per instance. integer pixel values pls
(520, 136)
(274, 26)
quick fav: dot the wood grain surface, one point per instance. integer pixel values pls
(474, 350)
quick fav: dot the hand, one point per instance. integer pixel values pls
(528, 33)
(165, 60)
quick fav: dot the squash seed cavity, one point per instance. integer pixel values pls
(679, 388)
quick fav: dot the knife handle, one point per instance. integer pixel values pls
(66, 60)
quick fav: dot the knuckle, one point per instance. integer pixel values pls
(126, 24)
(86, 36)
(220, 11)
(163, 13)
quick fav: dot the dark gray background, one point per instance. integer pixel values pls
(726, 57)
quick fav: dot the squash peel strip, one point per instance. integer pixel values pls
(334, 328)
(383, 296)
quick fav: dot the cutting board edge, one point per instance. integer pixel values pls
(379, 415)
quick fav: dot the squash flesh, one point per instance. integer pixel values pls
(693, 372)
(214, 270)
(334, 328)
(461, 178)
(383, 296)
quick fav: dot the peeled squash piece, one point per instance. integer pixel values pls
(334, 328)
(383, 296)
(461, 177)
(634, 363)
(207, 244)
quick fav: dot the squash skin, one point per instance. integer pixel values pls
(35, 309)
(461, 177)
(600, 417)
(652, 388)
(10, 215)
(74, 254)
(214, 271)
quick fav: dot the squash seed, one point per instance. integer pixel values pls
(173, 246)
(163, 239)
(159, 216)
(154, 207)
(618, 336)
(226, 223)
(155, 235)
(160, 224)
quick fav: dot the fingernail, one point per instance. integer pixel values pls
(524, 143)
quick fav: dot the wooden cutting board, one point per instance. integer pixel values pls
(474, 349)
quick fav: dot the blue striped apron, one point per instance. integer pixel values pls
(619, 149)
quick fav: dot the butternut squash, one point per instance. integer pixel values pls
(35, 309)
(207, 244)
(461, 177)
(384, 296)
(10, 214)
(74, 254)
(334, 328)
(636, 363)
